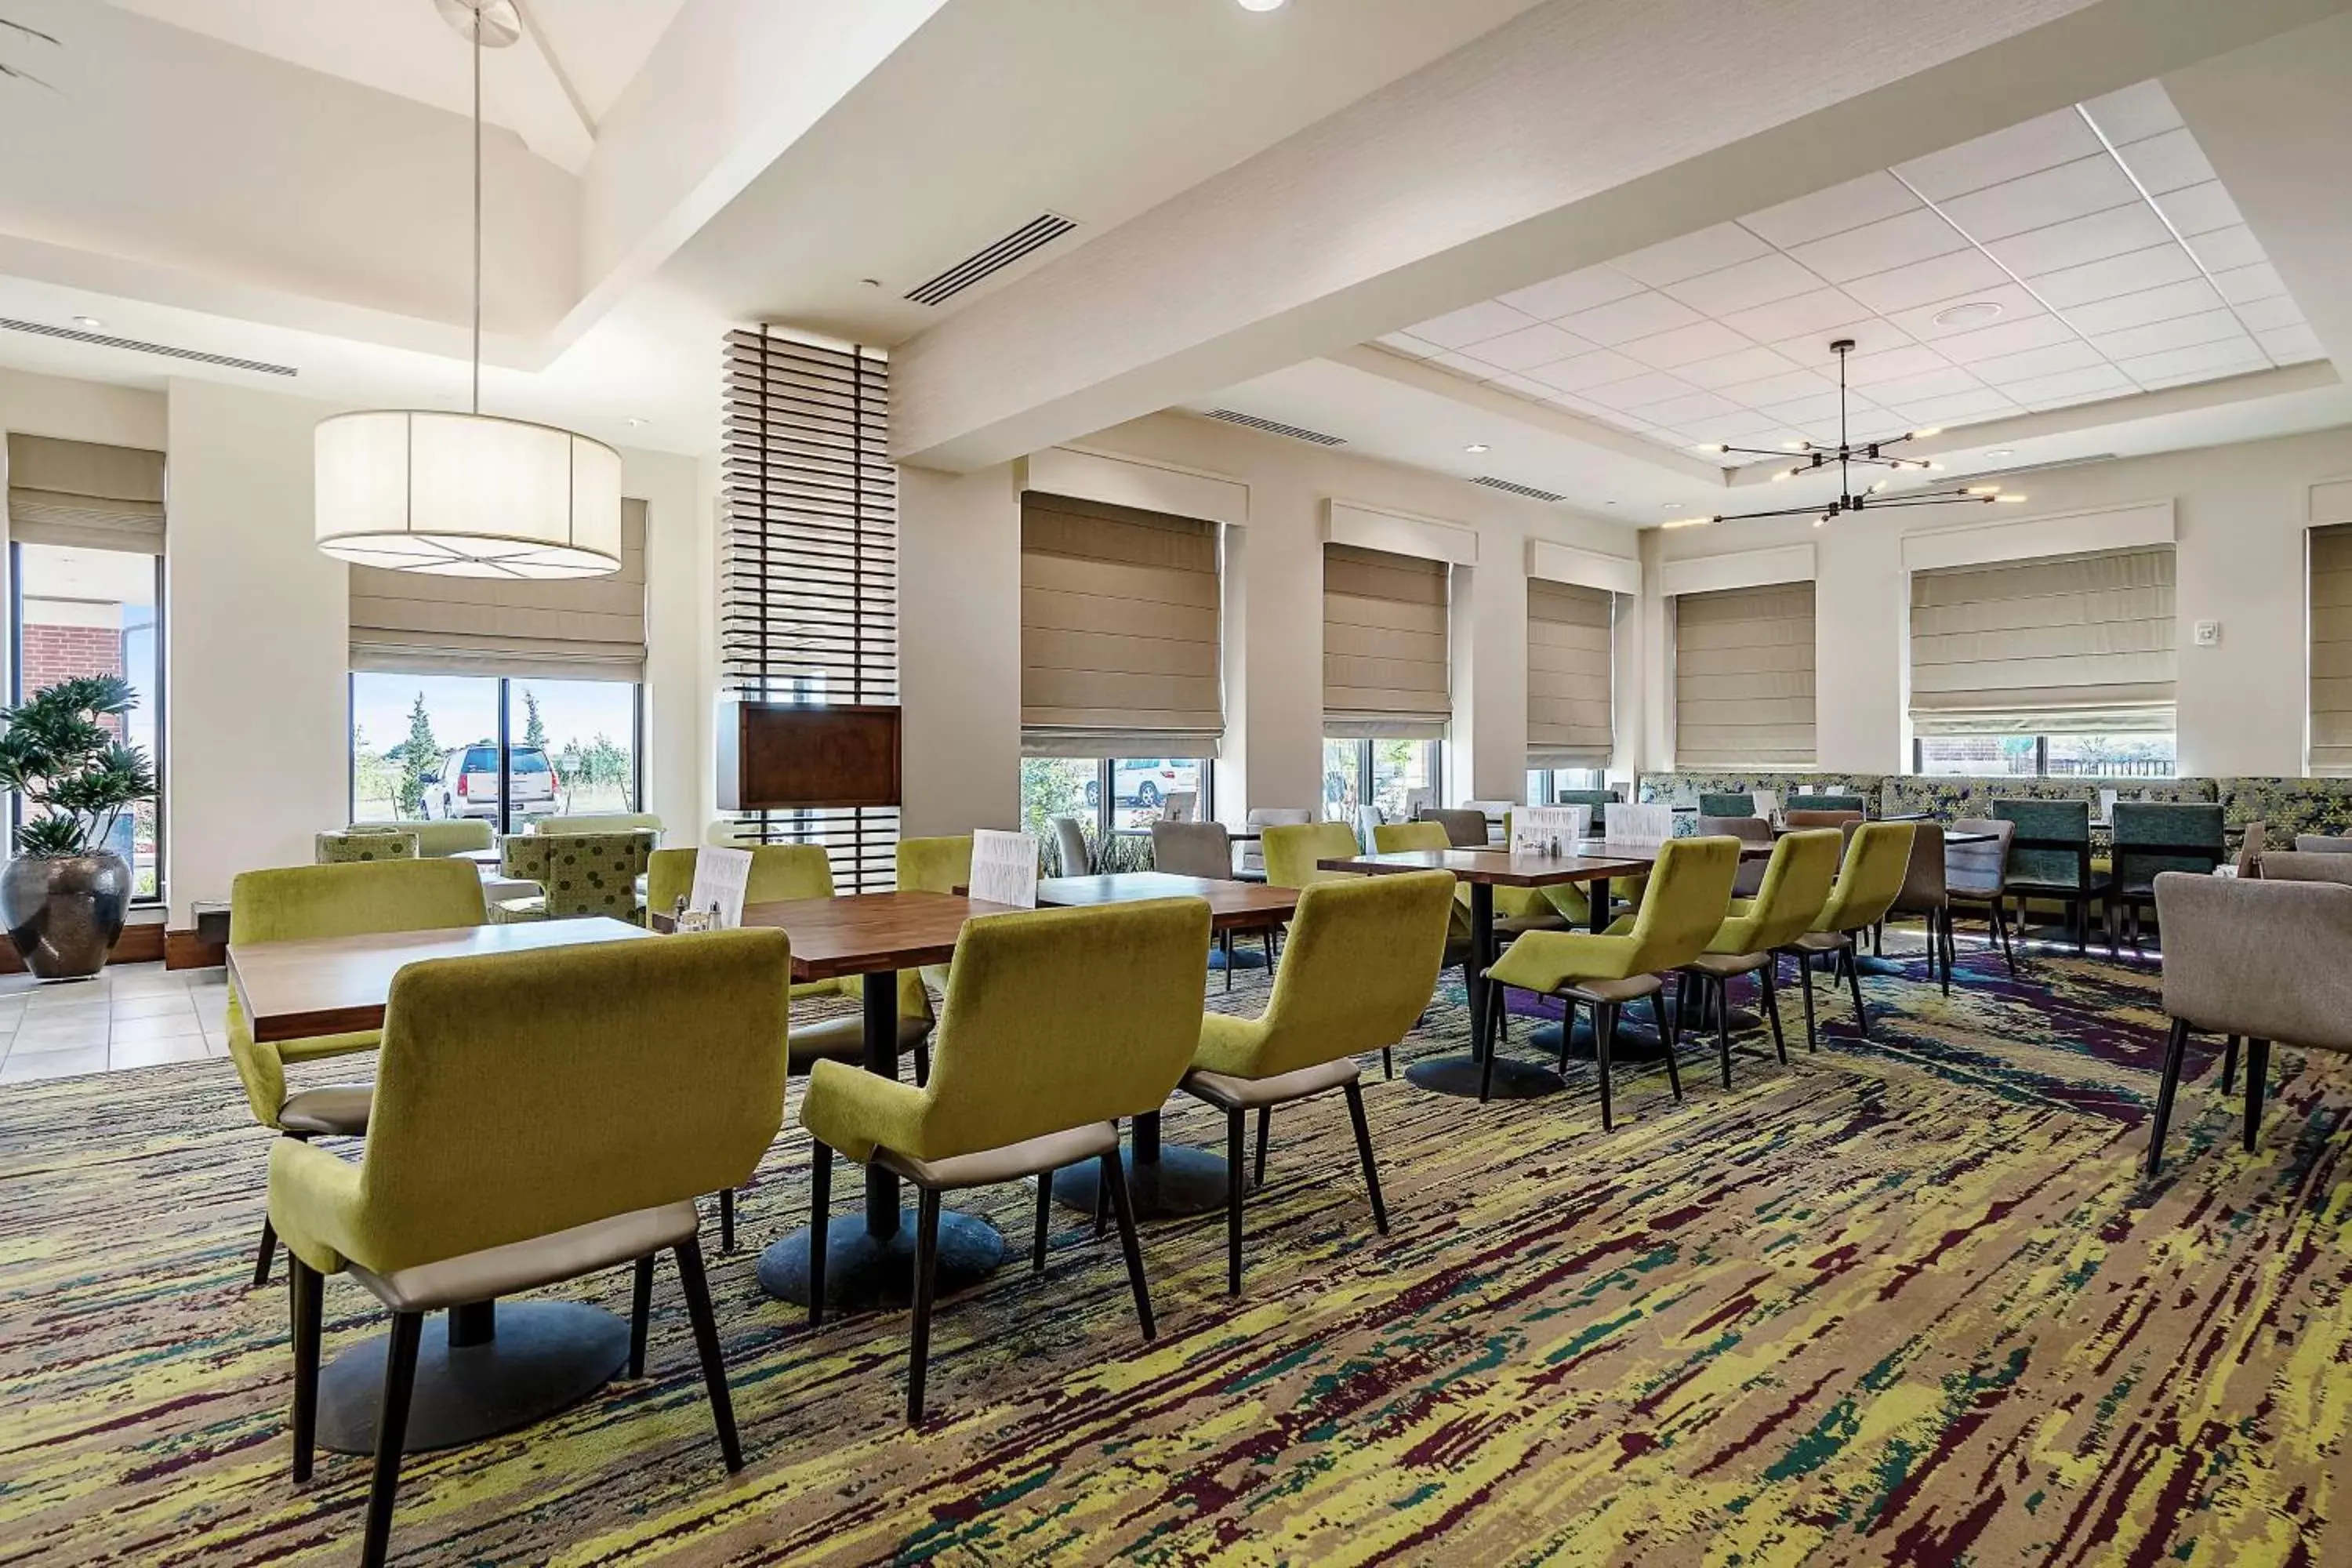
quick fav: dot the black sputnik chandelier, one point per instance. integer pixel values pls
(1817, 456)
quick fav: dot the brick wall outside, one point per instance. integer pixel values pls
(52, 654)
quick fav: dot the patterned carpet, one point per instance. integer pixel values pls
(1906, 1302)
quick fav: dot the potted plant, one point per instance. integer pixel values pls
(64, 894)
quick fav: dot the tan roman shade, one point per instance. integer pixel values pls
(588, 628)
(2077, 643)
(82, 494)
(1120, 632)
(1744, 677)
(1570, 719)
(1384, 648)
(2331, 649)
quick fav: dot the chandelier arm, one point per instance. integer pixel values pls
(477, 212)
(1954, 499)
(1814, 511)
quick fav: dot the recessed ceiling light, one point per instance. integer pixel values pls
(91, 322)
(1972, 313)
(2001, 452)
(635, 422)
(1475, 447)
(1261, 4)
(1673, 506)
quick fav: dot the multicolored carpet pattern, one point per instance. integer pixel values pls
(1901, 1302)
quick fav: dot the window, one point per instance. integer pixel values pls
(87, 611)
(1136, 789)
(1543, 781)
(2133, 756)
(429, 746)
(1395, 777)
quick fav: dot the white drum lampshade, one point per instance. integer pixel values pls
(467, 495)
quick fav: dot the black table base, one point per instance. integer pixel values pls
(1514, 1079)
(1173, 1180)
(480, 1369)
(863, 1269)
(1633, 1042)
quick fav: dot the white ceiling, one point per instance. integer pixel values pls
(2081, 256)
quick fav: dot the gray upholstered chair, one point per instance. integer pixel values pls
(2153, 836)
(1926, 893)
(1201, 849)
(1976, 876)
(2264, 959)
(1816, 816)
(1749, 880)
(1076, 859)
(1466, 829)
(2321, 844)
(1253, 866)
(2298, 865)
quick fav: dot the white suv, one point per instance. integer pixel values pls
(467, 783)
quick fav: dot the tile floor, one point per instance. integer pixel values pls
(128, 1015)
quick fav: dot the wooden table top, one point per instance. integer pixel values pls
(1647, 854)
(1497, 866)
(1233, 906)
(866, 933)
(338, 985)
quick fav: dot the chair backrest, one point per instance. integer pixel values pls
(449, 1169)
(2054, 840)
(1058, 1017)
(598, 822)
(1924, 885)
(1979, 871)
(1070, 842)
(343, 848)
(1464, 829)
(1747, 829)
(1293, 849)
(1795, 888)
(1253, 853)
(1852, 803)
(437, 836)
(1192, 849)
(1389, 838)
(1689, 893)
(2321, 844)
(2271, 960)
(2151, 837)
(1181, 806)
(779, 872)
(594, 873)
(2298, 865)
(289, 903)
(1809, 818)
(1877, 860)
(1357, 971)
(1714, 804)
(934, 865)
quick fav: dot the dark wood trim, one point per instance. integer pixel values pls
(141, 944)
(186, 950)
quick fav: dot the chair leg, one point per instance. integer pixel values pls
(1667, 1039)
(725, 1220)
(1045, 1217)
(2258, 1072)
(1123, 1207)
(1604, 1030)
(1102, 1196)
(1234, 1202)
(923, 1065)
(1264, 1130)
(1771, 997)
(1388, 1062)
(2230, 1064)
(690, 1273)
(820, 1202)
(391, 1432)
(1487, 1044)
(1805, 979)
(1364, 1153)
(641, 1305)
(267, 1250)
(1939, 941)
(305, 1293)
(1567, 1030)
(2175, 1047)
(1722, 998)
(2001, 930)
(927, 1269)
(1854, 983)
(1226, 946)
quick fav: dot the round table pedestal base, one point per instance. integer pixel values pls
(1631, 1043)
(1459, 1076)
(1244, 957)
(545, 1356)
(1176, 1181)
(863, 1270)
(1886, 968)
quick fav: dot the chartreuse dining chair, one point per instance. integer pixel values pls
(291, 903)
(1363, 958)
(1756, 931)
(1877, 861)
(1057, 1024)
(1689, 893)
(458, 1200)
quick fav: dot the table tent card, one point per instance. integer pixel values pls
(719, 877)
(1768, 804)
(1004, 868)
(1549, 829)
(1640, 825)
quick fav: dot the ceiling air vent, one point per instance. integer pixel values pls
(1276, 427)
(1032, 237)
(1508, 488)
(75, 334)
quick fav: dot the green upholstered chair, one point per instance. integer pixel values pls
(458, 1199)
(1690, 891)
(345, 849)
(597, 822)
(437, 836)
(1719, 804)
(1292, 850)
(1057, 1024)
(579, 875)
(2050, 859)
(1600, 800)
(1363, 958)
(349, 899)
(1877, 860)
(2153, 836)
(934, 865)
(1756, 931)
(1830, 803)
(1517, 910)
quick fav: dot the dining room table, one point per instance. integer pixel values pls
(497, 1366)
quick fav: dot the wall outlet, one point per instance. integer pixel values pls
(2208, 634)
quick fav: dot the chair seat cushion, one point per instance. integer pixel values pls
(339, 1111)
(987, 1167)
(512, 911)
(1615, 991)
(527, 1265)
(842, 1040)
(1728, 965)
(1229, 1092)
(1823, 941)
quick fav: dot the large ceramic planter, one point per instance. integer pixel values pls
(64, 913)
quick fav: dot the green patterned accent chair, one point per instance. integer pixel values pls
(540, 1117)
(2143, 832)
(437, 836)
(293, 904)
(579, 875)
(2050, 860)
(596, 822)
(348, 848)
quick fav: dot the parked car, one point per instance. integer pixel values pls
(466, 782)
(1142, 780)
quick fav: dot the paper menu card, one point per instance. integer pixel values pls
(1767, 803)
(720, 876)
(1004, 868)
(2107, 798)
(1549, 829)
(1640, 823)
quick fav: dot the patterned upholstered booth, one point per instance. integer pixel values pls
(1685, 789)
(582, 874)
(2286, 807)
(342, 848)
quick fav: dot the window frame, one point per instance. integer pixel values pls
(1105, 805)
(2040, 762)
(1546, 793)
(504, 822)
(1363, 746)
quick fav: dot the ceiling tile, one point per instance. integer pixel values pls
(1688, 345)
(1571, 292)
(2200, 362)
(2005, 370)
(2199, 209)
(2134, 113)
(1893, 364)
(1528, 347)
(2036, 201)
(1697, 408)
(1940, 278)
(2039, 143)
(1596, 369)
(1729, 370)
(2078, 240)
(2167, 163)
(1709, 250)
(2101, 380)
(1406, 343)
(1949, 382)
(2129, 274)
(1915, 236)
(2162, 337)
(1741, 425)
(1952, 410)
(1634, 392)
(1635, 316)
(1870, 336)
(1777, 389)
(2269, 315)
(2227, 247)
(2015, 305)
(2292, 345)
(1461, 366)
(1821, 411)
(2243, 285)
(1526, 386)
(2139, 309)
(1803, 315)
(1833, 211)
(1472, 323)
(1744, 285)
(2004, 338)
